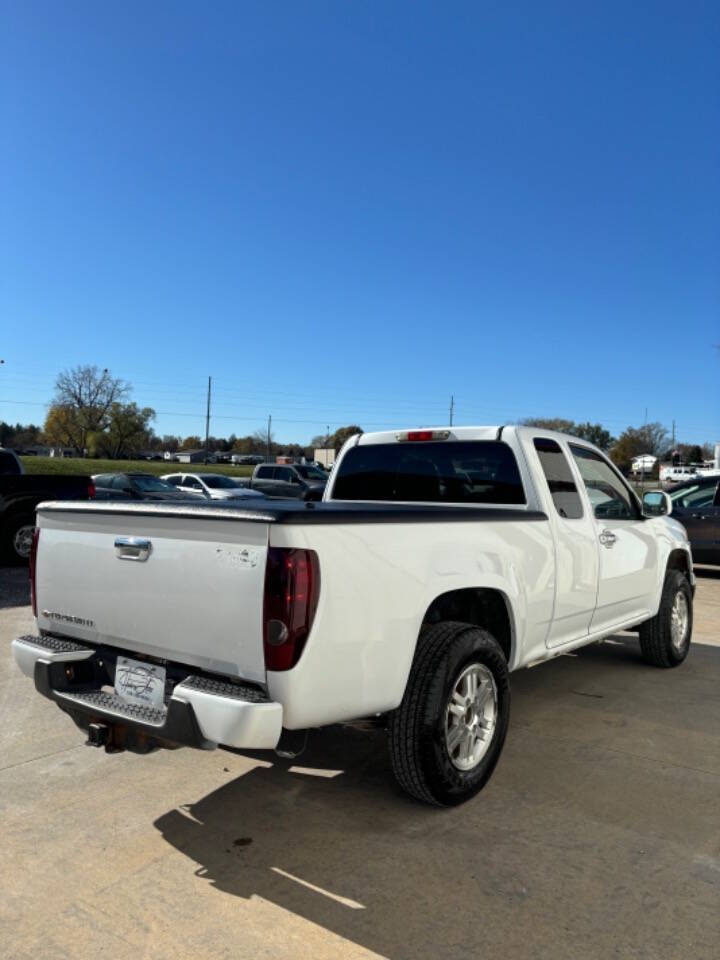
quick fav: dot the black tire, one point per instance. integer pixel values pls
(656, 635)
(421, 761)
(14, 528)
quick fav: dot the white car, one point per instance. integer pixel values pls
(678, 474)
(439, 561)
(211, 486)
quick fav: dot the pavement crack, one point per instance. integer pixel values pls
(43, 756)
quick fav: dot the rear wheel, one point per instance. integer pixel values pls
(18, 538)
(447, 734)
(665, 640)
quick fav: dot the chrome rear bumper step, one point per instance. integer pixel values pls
(199, 712)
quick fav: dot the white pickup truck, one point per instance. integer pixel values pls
(439, 561)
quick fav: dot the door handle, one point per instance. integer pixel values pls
(607, 538)
(132, 548)
(700, 516)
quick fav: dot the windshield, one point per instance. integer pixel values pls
(311, 473)
(218, 482)
(150, 484)
(437, 472)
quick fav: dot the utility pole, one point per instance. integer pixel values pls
(452, 407)
(207, 421)
(268, 438)
(673, 436)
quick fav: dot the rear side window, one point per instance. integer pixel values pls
(467, 471)
(559, 478)
(265, 473)
(8, 463)
(696, 496)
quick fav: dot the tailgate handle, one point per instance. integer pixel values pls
(132, 548)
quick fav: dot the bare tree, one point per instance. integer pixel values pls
(89, 394)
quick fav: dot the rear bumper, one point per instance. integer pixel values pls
(201, 712)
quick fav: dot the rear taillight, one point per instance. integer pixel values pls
(33, 569)
(292, 588)
(91, 490)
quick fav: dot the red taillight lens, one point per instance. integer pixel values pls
(33, 569)
(91, 491)
(422, 435)
(292, 588)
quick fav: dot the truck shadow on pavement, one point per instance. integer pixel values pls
(14, 587)
(563, 854)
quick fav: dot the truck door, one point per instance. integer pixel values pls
(288, 483)
(627, 543)
(576, 548)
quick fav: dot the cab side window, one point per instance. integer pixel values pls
(559, 478)
(608, 495)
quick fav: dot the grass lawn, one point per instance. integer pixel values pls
(73, 465)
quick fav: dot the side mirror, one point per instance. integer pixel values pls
(656, 503)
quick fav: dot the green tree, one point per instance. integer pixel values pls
(128, 429)
(651, 438)
(338, 438)
(550, 423)
(20, 436)
(191, 443)
(244, 445)
(594, 433)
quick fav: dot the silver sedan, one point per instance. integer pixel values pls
(211, 486)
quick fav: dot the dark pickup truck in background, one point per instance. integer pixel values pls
(290, 480)
(20, 493)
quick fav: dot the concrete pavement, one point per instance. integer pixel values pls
(598, 836)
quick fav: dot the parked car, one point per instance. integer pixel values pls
(697, 506)
(246, 458)
(672, 474)
(212, 486)
(20, 493)
(294, 480)
(134, 486)
(439, 561)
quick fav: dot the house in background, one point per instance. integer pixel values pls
(193, 456)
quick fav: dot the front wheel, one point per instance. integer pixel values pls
(665, 640)
(447, 734)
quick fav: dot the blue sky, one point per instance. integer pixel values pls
(347, 212)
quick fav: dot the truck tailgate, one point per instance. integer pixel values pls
(193, 594)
